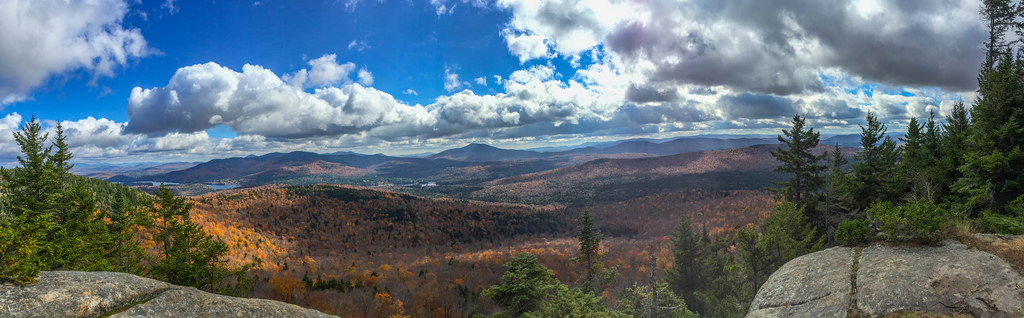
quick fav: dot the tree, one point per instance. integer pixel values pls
(31, 193)
(801, 164)
(753, 257)
(786, 235)
(594, 274)
(79, 240)
(875, 165)
(523, 286)
(189, 256)
(838, 203)
(991, 179)
(918, 161)
(686, 275)
(952, 145)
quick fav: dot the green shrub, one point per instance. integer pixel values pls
(989, 222)
(853, 232)
(915, 221)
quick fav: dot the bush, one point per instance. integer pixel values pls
(1001, 224)
(915, 221)
(853, 232)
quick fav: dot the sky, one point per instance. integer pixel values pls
(175, 80)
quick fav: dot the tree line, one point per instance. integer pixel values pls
(51, 219)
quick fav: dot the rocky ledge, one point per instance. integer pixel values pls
(93, 294)
(949, 279)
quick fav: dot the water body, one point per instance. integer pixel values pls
(218, 187)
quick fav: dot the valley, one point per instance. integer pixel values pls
(334, 232)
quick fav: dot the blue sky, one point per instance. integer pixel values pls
(136, 80)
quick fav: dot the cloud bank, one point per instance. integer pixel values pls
(44, 38)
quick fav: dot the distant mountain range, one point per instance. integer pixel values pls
(466, 166)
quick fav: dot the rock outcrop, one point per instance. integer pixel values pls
(93, 294)
(879, 280)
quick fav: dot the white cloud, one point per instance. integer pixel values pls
(43, 38)
(365, 77)
(770, 46)
(169, 5)
(358, 45)
(8, 124)
(452, 81)
(326, 71)
(526, 46)
(410, 91)
(480, 80)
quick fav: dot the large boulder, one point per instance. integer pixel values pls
(92, 294)
(879, 280)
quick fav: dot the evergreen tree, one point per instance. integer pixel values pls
(753, 258)
(126, 253)
(524, 285)
(952, 146)
(589, 255)
(874, 169)
(991, 165)
(686, 275)
(31, 193)
(804, 167)
(918, 159)
(838, 202)
(190, 257)
(786, 235)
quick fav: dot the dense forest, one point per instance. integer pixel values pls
(600, 245)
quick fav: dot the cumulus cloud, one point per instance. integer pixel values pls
(326, 71)
(50, 37)
(410, 91)
(452, 81)
(365, 77)
(768, 47)
(480, 80)
(526, 46)
(256, 101)
(8, 124)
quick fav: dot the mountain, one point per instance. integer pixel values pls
(853, 140)
(621, 179)
(482, 152)
(466, 166)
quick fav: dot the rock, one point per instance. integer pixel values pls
(92, 294)
(807, 287)
(944, 279)
(947, 279)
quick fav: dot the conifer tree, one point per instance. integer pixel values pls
(31, 193)
(595, 275)
(992, 163)
(803, 167)
(189, 256)
(838, 199)
(874, 168)
(952, 146)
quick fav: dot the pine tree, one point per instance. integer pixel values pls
(804, 168)
(915, 170)
(685, 276)
(991, 165)
(589, 255)
(524, 285)
(874, 168)
(838, 202)
(31, 193)
(190, 257)
(955, 132)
